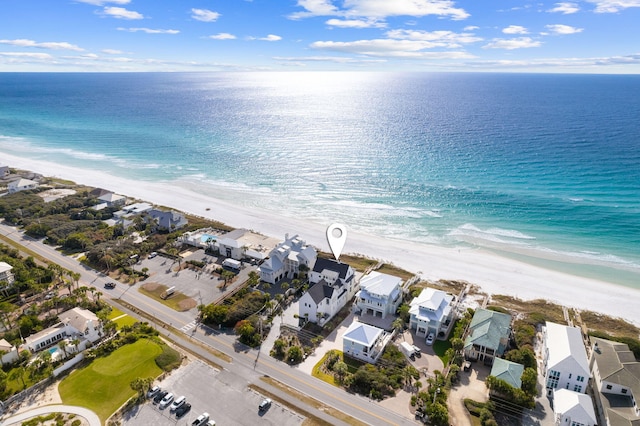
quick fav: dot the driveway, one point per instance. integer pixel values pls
(471, 385)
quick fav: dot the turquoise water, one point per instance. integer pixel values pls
(545, 168)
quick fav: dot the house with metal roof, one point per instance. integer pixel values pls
(286, 259)
(364, 342)
(510, 372)
(488, 337)
(573, 408)
(616, 383)
(380, 294)
(565, 364)
(431, 312)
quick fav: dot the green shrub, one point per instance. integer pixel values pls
(169, 359)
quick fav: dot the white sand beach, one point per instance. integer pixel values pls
(494, 274)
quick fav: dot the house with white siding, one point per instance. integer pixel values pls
(616, 383)
(364, 342)
(565, 364)
(21, 185)
(285, 259)
(431, 312)
(75, 323)
(380, 294)
(573, 409)
(6, 275)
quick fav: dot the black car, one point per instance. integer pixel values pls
(182, 410)
(159, 396)
(110, 286)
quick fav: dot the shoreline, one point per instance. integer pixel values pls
(489, 271)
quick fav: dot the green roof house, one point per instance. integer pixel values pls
(510, 372)
(488, 336)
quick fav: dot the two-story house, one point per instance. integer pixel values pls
(431, 312)
(76, 323)
(364, 342)
(380, 294)
(565, 364)
(6, 275)
(573, 409)
(333, 285)
(286, 259)
(616, 383)
(488, 337)
(167, 220)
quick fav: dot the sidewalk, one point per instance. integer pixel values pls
(89, 415)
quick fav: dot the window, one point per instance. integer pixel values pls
(580, 378)
(569, 375)
(577, 388)
(608, 387)
(624, 391)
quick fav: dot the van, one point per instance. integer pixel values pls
(166, 401)
(177, 403)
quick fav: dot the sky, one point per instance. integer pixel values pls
(590, 36)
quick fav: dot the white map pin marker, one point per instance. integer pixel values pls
(336, 237)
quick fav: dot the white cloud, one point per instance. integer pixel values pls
(334, 59)
(148, 30)
(613, 6)
(566, 8)
(515, 29)
(471, 28)
(559, 29)
(222, 36)
(53, 45)
(27, 55)
(380, 9)
(121, 13)
(355, 23)
(390, 48)
(513, 43)
(112, 51)
(103, 2)
(204, 15)
(271, 37)
(440, 38)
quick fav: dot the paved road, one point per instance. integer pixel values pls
(246, 362)
(91, 417)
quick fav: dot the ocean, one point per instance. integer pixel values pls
(544, 168)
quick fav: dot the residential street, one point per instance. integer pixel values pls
(247, 363)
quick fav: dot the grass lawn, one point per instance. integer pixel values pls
(120, 318)
(173, 301)
(103, 386)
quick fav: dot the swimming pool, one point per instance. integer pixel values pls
(206, 238)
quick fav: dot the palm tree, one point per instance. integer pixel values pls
(63, 345)
(75, 342)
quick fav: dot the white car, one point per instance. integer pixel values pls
(430, 338)
(201, 420)
(177, 403)
(153, 391)
(166, 401)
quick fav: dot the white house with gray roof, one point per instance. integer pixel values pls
(364, 342)
(286, 258)
(573, 409)
(21, 185)
(565, 364)
(380, 294)
(431, 312)
(616, 383)
(333, 285)
(488, 337)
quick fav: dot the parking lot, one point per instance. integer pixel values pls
(202, 287)
(224, 396)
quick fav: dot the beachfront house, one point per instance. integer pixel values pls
(510, 372)
(573, 409)
(364, 342)
(380, 294)
(111, 199)
(8, 353)
(6, 275)
(21, 185)
(616, 383)
(4, 170)
(488, 336)
(565, 364)
(332, 286)
(286, 259)
(204, 238)
(76, 323)
(431, 312)
(167, 220)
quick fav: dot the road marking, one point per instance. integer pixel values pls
(188, 327)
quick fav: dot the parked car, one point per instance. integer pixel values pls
(110, 285)
(164, 403)
(430, 338)
(183, 409)
(153, 254)
(211, 423)
(201, 419)
(159, 396)
(264, 405)
(153, 391)
(177, 403)
(416, 350)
